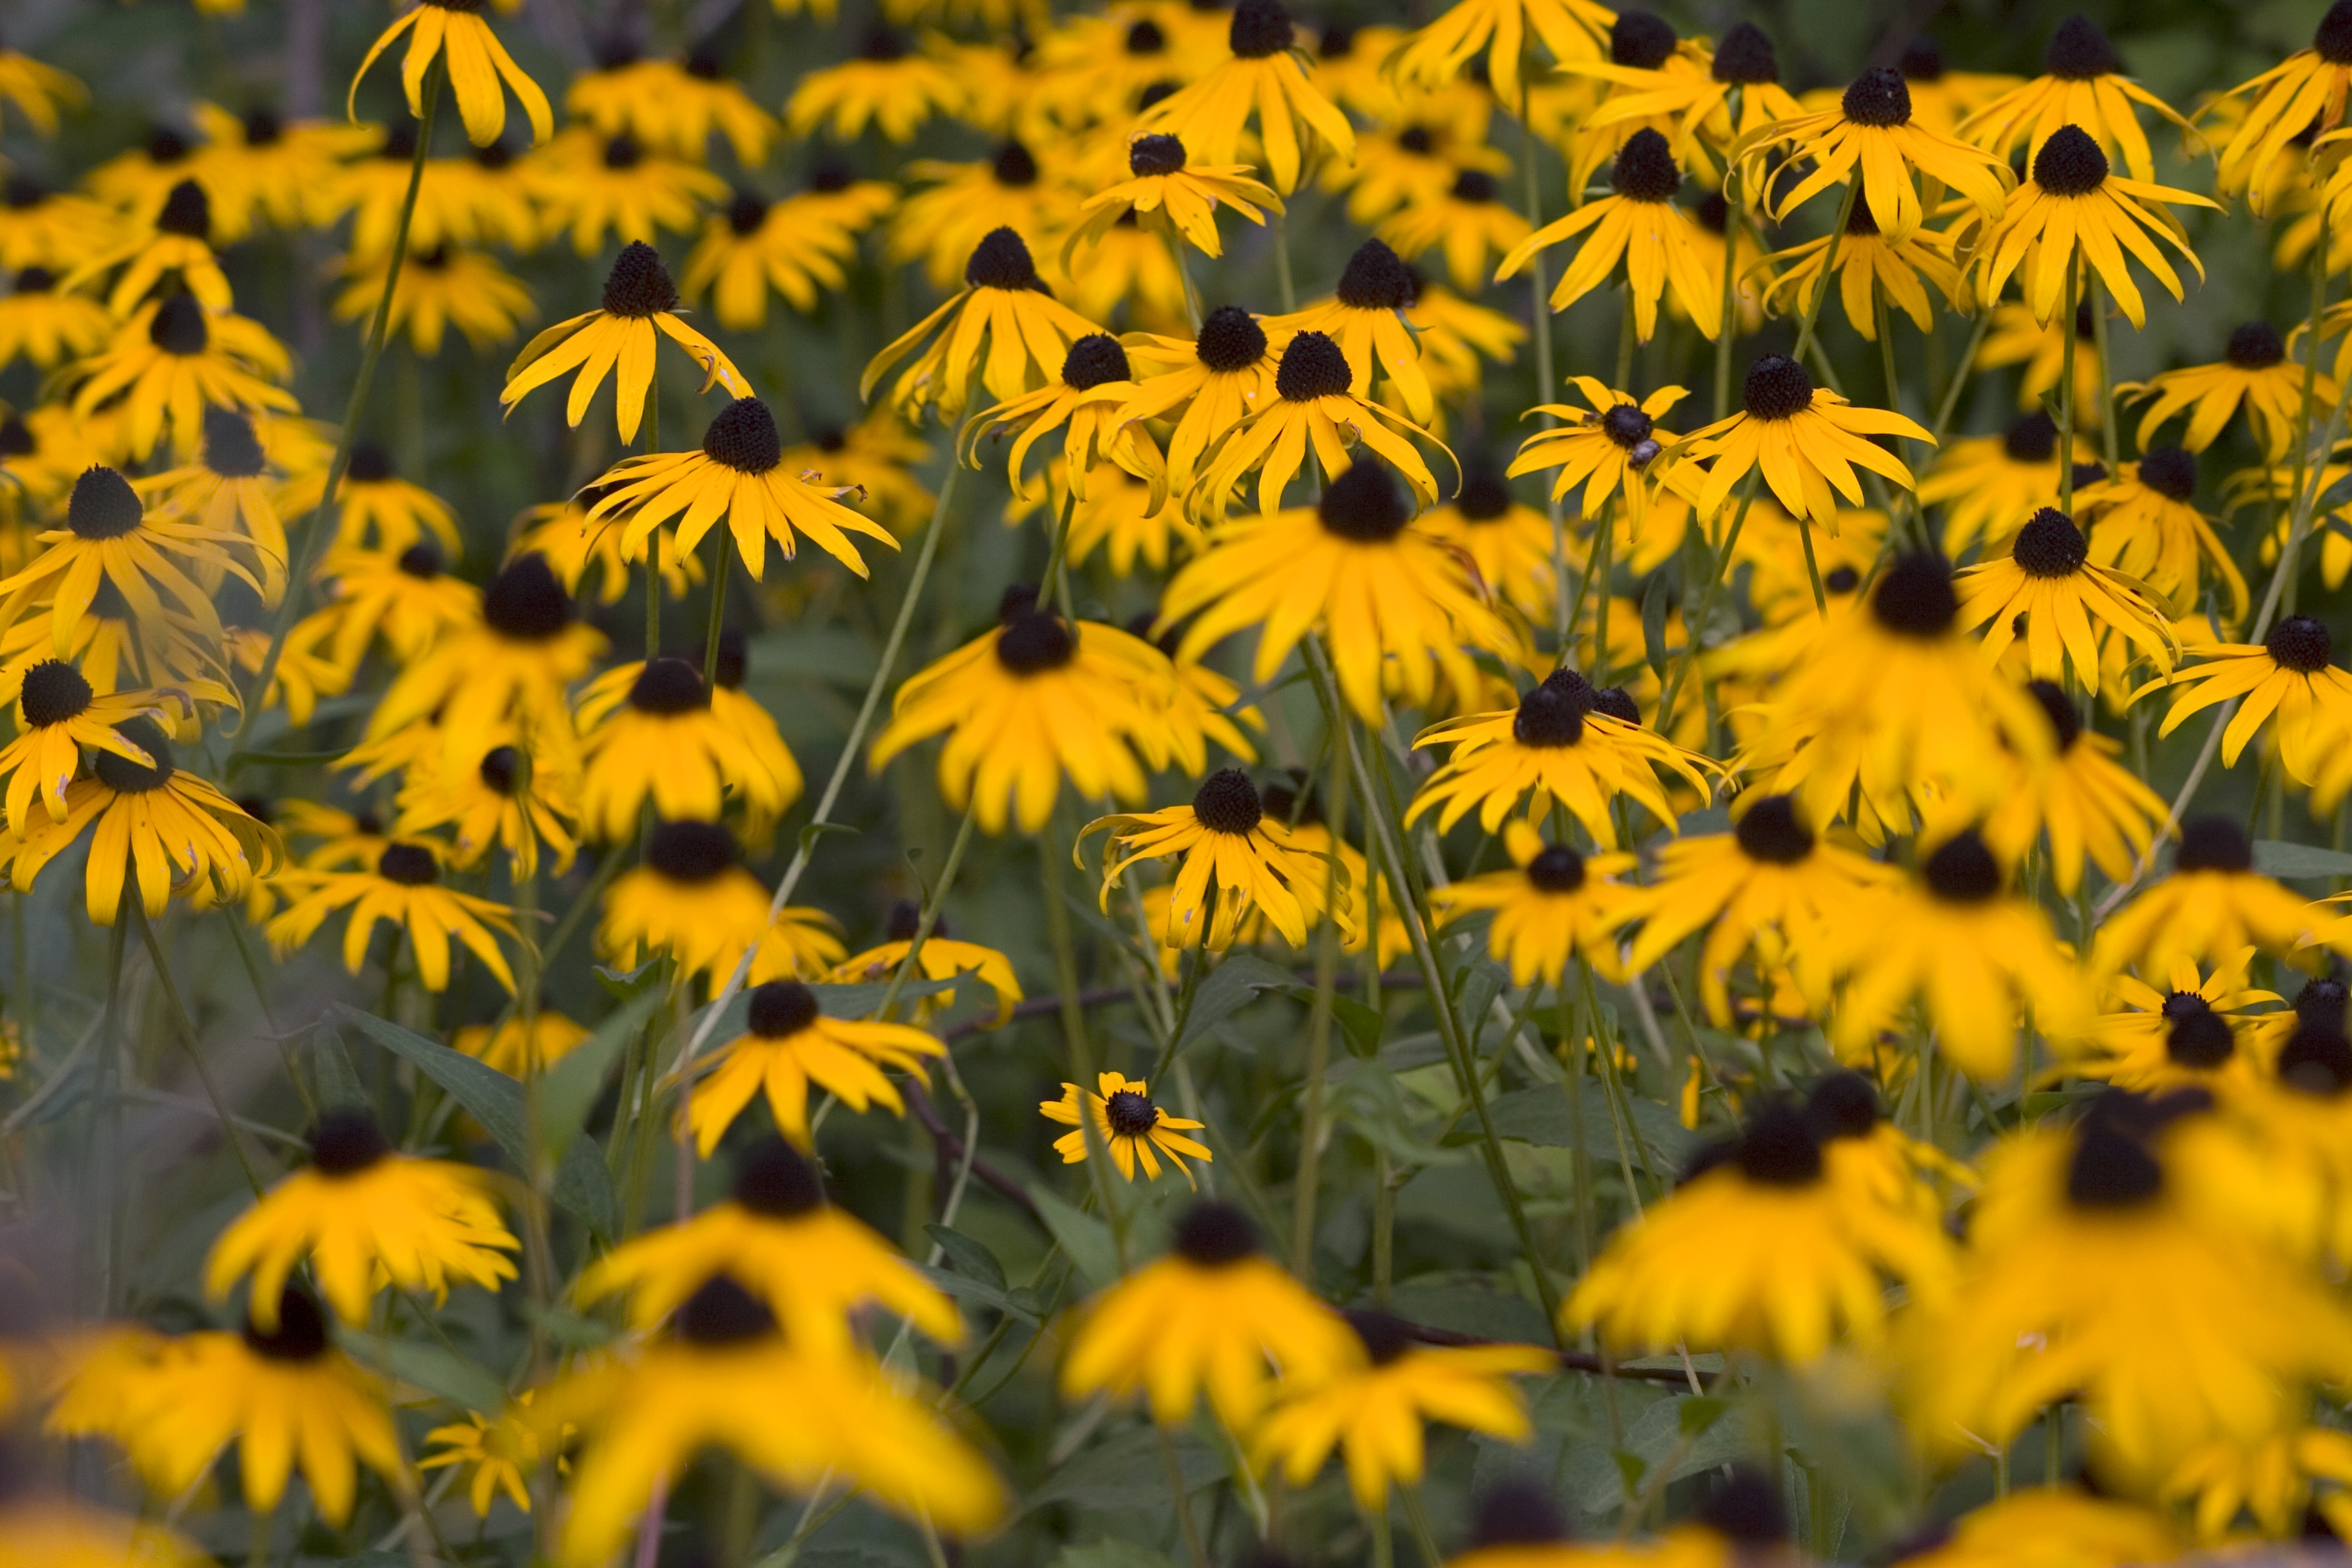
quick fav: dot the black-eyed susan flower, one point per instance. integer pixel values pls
(1002, 326)
(1870, 269)
(2016, 337)
(440, 288)
(1389, 595)
(1133, 1127)
(649, 732)
(1315, 409)
(888, 86)
(877, 456)
(55, 229)
(2288, 682)
(58, 713)
(155, 824)
(1437, 53)
(2082, 84)
(1166, 192)
(1698, 100)
(717, 1378)
(44, 323)
(693, 899)
(2048, 593)
(1086, 402)
(283, 1396)
(1418, 149)
(1871, 136)
(941, 957)
(1235, 861)
(1468, 221)
(1556, 746)
(1606, 446)
(1374, 1411)
(1207, 1318)
(2254, 372)
(799, 247)
(2198, 1029)
(1557, 904)
(46, 1527)
(177, 248)
(453, 32)
(260, 167)
(1974, 952)
(789, 1044)
(1773, 889)
(1209, 386)
(672, 106)
(378, 508)
(737, 477)
(1507, 540)
(639, 301)
(2070, 214)
(517, 1048)
(2212, 906)
(508, 801)
(2277, 1481)
(1989, 485)
(600, 186)
(1636, 228)
(1261, 77)
(510, 669)
(171, 362)
(480, 198)
(1805, 441)
(1026, 701)
(2145, 524)
(559, 532)
(2307, 90)
(362, 1214)
(1759, 1251)
(813, 1263)
(404, 886)
(234, 486)
(2084, 800)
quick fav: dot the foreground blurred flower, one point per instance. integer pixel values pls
(692, 899)
(363, 1213)
(789, 1043)
(43, 323)
(2212, 906)
(453, 32)
(1296, 123)
(1131, 1125)
(2303, 93)
(639, 300)
(403, 887)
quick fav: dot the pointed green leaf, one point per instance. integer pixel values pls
(568, 1089)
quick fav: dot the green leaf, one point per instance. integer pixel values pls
(1126, 1472)
(432, 1368)
(1475, 986)
(494, 1100)
(568, 1089)
(2275, 859)
(1230, 986)
(330, 1064)
(1631, 1468)
(1695, 1443)
(1698, 1415)
(965, 1287)
(1360, 1024)
(1539, 1116)
(569, 1330)
(1084, 1237)
(969, 1255)
(1653, 623)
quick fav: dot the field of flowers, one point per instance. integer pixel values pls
(1147, 785)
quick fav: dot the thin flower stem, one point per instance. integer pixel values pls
(1312, 1129)
(232, 917)
(298, 572)
(136, 910)
(1184, 275)
(2108, 436)
(1193, 1548)
(1056, 584)
(1728, 315)
(1073, 1033)
(722, 566)
(1425, 1540)
(1604, 545)
(1692, 630)
(1282, 262)
(2304, 409)
(2067, 390)
(930, 920)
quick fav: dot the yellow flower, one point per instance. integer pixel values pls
(1437, 53)
(173, 359)
(41, 1531)
(1235, 862)
(1557, 905)
(257, 167)
(2082, 797)
(1639, 225)
(1606, 446)
(1260, 76)
(2144, 522)
(1087, 403)
(518, 1051)
(691, 899)
(796, 247)
(672, 106)
(505, 1451)
(1208, 386)
(2197, 1032)
(2255, 372)
(876, 457)
(1131, 1126)
(1805, 440)
(639, 301)
(1001, 309)
(37, 91)
(1507, 540)
(941, 958)
(652, 732)
(2017, 337)
(1373, 1410)
(2303, 92)
(359, 1212)
(58, 713)
(1163, 190)
(52, 229)
(597, 185)
(790, 1044)
(1871, 136)
(886, 87)
(2288, 680)
(1989, 485)
(2052, 1527)
(1870, 268)
(559, 532)
(2082, 85)
(2066, 602)
(44, 323)
(453, 32)
(438, 289)
(403, 888)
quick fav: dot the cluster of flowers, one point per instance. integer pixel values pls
(1903, 753)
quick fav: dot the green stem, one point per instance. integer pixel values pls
(1312, 1132)
(2108, 435)
(1174, 1467)
(2304, 408)
(1073, 1033)
(186, 1028)
(1183, 274)
(722, 567)
(1692, 632)
(1729, 317)
(2067, 390)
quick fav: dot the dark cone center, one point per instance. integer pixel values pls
(2300, 643)
(1095, 360)
(2069, 164)
(722, 1314)
(742, 437)
(300, 1334)
(668, 686)
(525, 602)
(2213, 844)
(1558, 868)
(1777, 388)
(2049, 545)
(1036, 642)
(410, 865)
(2199, 1038)
(1746, 57)
(54, 691)
(231, 448)
(127, 778)
(346, 1141)
(1483, 497)
(1365, 504)
(1641, 39)
(2111, 1169)
(2169, 471)
(1231, 339)
(639, 285)
(1261, 29)
(1214, 1234)
(1228, 803)
(1385, 1336)
(1771, 832)
(1963, 870)
(1779, 1150)
(1645, 170)
(2255, 345)
(1000, 260)
(1914, 597)
(501, 769)
(179, 327)
(690, 851)
(1375, 278)
(2316, 1060)
(781, 1008)
(1549, 716)
(187, 212)
(1842, 1105)
(1130, 1115)
(2078, 51)
(2065, 724)
(774, 1179)
(1312, 366)
(1878, 98)
(1158, 155)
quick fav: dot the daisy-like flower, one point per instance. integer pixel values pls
(671, 106)
(440, 288)
(37, 91)
(1870, 268)
(1556, 746)
(1697, 101)
(1086, 403)
(510, 670)
(44, 323)
(800, 247)
(1207, 1318)
(1436, 54)
(1557, 904)
(41, 228)
(788, 1045)
(1772, 891)
(505, 1452)
(1974, 952)
(2073, 213)
(1987, 485)
(57, 714)
(737, 476)
(2145, 524)
(2016, 337)
(2303, 92)
(2082, 84)
(173, 359)
(1374, 1411)
(1392, 600)
(1639, 226)
(2254, 371)
(1260, 77)
(559, 532)
(2082, 798)
(942, 957)
(282, 1394)
(232, 489)
(888, 86)
(1314, 407)
(178, 246)
(1209, 386)
(2195, 1031)
(45, 1527)
(2276, 1481)
(478, 198)
(403, 887)
(1805, 440)
(639, 301)
(518, 1050)
(1606, 446)
(1165, 192)
(2287, 681)
(597, 185)
(509, 801)
(811, 1262)
(2214, 906)
(1871, 136)
(257, 167)
(363, 1215)
(1468, 220)
(406, 599)
(1507, 540)
(453, 32)
(1132, 1126)
(2065, 602)
(650, 732)
(1235, 862)
(1420, 147)
(377, 509)
(1001, 326)
(1026, 701)
(1760, 1251)
(692, 899)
